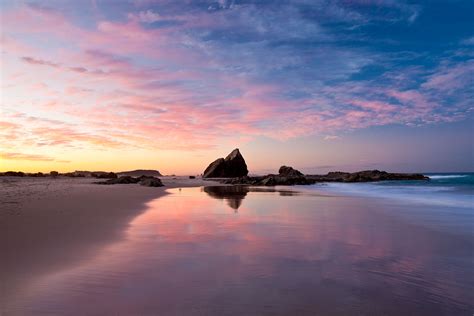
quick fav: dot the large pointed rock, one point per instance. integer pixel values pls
(232, 166)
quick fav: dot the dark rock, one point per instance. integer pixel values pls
(151, 182)
(103, 175)
(192, 177)
(216, 169)
(232, 166)
(243, 180)
(142, 180)
(107, 175)
(290, 176)
(121, 180)
(271, 180)
(80, 173)
(74, 175)
(13, 174)
(54, 174)
(36, 175)
(141, 172)
(286, 171)
(366, 176)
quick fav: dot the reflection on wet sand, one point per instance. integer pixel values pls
(234, 195)
(304, 255)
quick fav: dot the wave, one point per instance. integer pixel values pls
(451, 176)
(426, 194)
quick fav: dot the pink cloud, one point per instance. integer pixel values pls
(376, 106)
(450, 78)
(185, 100)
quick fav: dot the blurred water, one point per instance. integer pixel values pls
(456, 190)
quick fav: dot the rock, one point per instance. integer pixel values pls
(289, 172)
(243, 180)
(286, 176)
(36, 175)
(215, 169)
(192, 177)
(54, 174)
(143, 180)
(151, 182)
(268, 181)
(272, 180)
(121, 180)
(235, 164)
(13, 174)
(232, 166)
(104, 175)
(141, 172)
(74, 175)
(107, 175)
(366, 176)
(289, 176)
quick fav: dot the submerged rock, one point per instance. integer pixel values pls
(232, 166)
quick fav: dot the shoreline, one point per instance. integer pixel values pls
(48, 224)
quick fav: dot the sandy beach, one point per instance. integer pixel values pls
(47, 224)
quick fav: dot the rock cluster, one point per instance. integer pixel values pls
(143, 180)
(366, 176)
(286, 176)
(104, 175)
(232, 166)
(290, 176)
(12, 174)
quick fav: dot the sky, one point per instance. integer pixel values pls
(172, 85)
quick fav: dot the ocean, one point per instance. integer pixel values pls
(446, 200)
(453, 189)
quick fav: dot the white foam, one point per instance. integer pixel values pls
(452, 176)
(426, 194)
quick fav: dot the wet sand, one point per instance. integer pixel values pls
(240, 251)
(48, 224)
